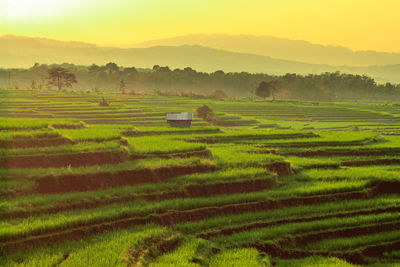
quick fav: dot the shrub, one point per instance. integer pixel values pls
(206, 113)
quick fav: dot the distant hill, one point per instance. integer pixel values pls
(24, 52)
(281, 48)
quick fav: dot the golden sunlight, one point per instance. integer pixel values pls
(26, 9)
(356, 24)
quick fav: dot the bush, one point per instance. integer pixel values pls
(206, 113)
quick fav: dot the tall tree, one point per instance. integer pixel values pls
(93, 69)
(275, 87)
(267, 89)
(263, 90)
(122, 87)
(60, 78)
(130, 70)
(111, 67)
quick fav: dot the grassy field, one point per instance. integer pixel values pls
(265, 184)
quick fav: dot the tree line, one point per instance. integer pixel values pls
(189, 82)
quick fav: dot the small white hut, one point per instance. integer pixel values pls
(180, 119)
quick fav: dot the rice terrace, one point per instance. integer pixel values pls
(228, 133)
(278, 183)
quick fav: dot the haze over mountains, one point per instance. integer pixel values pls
(282, 48)
(275, 55)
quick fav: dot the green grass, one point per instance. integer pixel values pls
(40, 202)
(314, 261)
(225, 175)
(103, 250)
(238, 258)
(343, 244)
(389, 145)
(359, 173)
(20, 181)
(290, 229)
(143, 130)
(247, 135)
(181, 256)
(19, 123)
(150, 164)
(41, 224)
(161, 145)
(91, 133)
(325, 139)
(27, 135)
(33, 123)
(221, 222)
(265, 133)
(238, 156)
(300, 163)
(62, 149)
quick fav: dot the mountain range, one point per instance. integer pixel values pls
(282, 48)
(241, 53)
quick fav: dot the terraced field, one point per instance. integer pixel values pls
(267, 184)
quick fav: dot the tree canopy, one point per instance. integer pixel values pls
(267, 89)
(111, 67)
(191, 83)
(60, 78)
(263, 90)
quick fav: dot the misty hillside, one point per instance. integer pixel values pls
(282, 48)
(24, 52)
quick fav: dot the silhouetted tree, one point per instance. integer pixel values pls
(93, 69)
(130, 70)
(189, 69)
(263, 90)
(60, 78)
(163, 69)
(122, 86)
(33, 85)
(111, 67)
(267, 89)
(275, 87)
(219, 72)
(191, 83)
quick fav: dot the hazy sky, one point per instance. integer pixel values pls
(357, 24)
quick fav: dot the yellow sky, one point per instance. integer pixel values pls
(357, 24)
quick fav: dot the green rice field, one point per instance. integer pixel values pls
(264, 184)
